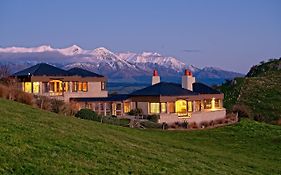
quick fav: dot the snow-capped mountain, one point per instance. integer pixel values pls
(125, 66)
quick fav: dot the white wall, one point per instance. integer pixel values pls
(197, 117)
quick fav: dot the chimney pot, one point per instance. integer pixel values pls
(155, 73)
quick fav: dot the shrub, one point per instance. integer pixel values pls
(23, 97)
(193, 125)
(4, 92)
(88, 115)
(153, 118)
(184, 124)
(204, 124)
(242, 111)
(43, 102)
(165, 126)
(150, 124)
(135, 112)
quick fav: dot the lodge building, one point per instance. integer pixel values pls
(189, 101)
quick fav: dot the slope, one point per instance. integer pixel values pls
(259, 92)
(38, 142)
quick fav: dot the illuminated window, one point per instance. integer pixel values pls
(217, 103)
(171, 107)
(190, 106)
(27, 87)
(181, 107)
(102, 85)
(66, 86)
(197, 105)
(208, 104)
(155, 108)
(74, 86)
(83, 86)
(127, 107)
(163, 108)
(36, 87)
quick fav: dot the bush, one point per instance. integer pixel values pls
(4, 92)
(135, 112)
(153, 118)
(88, 115)
(23, 97)
(150, 124)
(193, 125)
(242, 111)
(184, 124)
(204, 124)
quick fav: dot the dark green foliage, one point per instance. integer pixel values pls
(135, 112)
(34, 141)
(153, 118)
(272, 66)
(258, 95)
(88, 115)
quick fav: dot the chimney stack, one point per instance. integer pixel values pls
(155, 77)
(187, 80)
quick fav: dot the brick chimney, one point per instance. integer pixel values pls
(187, 80)
(155, 77)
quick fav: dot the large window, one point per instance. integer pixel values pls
(83, 86)
(190, 106)
(208, 104)
(154, 108)
(36, 87)
(45, 87)
(27, 87)
(74, 86)
(197, 106)
(66, 86)
(217, 103)
(171, 107)
(181, 107)
(127, 107)
(163, 108)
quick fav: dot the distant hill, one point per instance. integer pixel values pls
(259, 93)
(33, 141)
(125, 67)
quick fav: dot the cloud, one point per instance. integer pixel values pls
(191, 50)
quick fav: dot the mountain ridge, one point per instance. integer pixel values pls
(119, 66)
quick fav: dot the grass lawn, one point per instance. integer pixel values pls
(38, 142)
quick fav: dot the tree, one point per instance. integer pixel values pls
(5, 71)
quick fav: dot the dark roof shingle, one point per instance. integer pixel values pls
(42, 69)
(163, 89)
(82, 72)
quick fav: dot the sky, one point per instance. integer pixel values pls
(230, 34)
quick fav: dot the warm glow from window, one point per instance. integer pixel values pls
(36, 87)
(171, 107)
(27, 87)
(190, 106)
(127, 107)
(154, 108)
(197, 105)
(163, 108)
(74, 86)
(181, 107)
(55, 86)
(208, 104)
(213, 103)
(83, 86)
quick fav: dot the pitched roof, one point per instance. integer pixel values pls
(164, 89)
(118, 97)
(204, 89)
(82, 72)
(49, 70)
(42, 69)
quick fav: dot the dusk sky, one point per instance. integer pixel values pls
(233, 35)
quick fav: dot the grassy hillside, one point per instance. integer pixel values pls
(38, 142)
(259, 91)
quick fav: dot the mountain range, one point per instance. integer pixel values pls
(118, 67)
